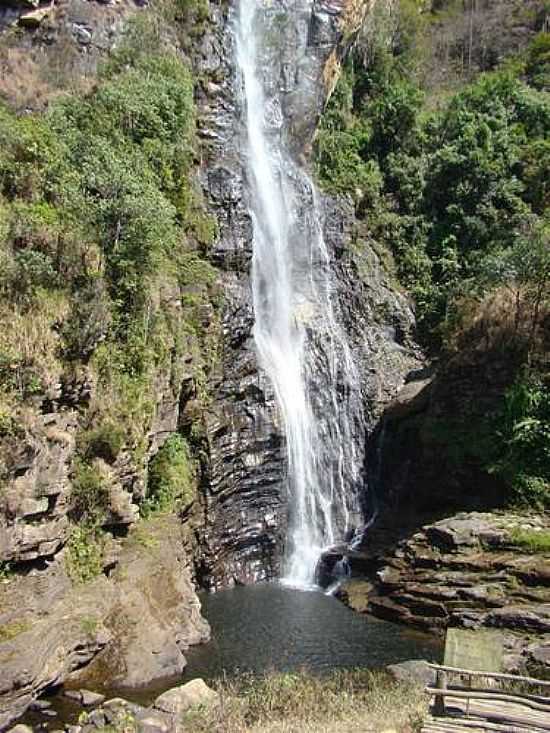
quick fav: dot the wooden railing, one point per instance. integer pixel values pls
(497, 704)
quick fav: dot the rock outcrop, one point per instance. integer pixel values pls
(165, 715)
(128, 627)
(474, 570)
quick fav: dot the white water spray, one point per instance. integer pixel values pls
(300, 345)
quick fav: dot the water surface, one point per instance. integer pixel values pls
(270, 627)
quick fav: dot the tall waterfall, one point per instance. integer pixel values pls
(300, 344)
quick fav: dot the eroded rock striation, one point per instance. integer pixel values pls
(244, 483)
(473, 570)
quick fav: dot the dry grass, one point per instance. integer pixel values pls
(21, 80)
(350, 700)
(29, 338)
(506, 318)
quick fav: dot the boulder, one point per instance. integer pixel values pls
(87, 698)
(413, 670)
(34, 18)
(180, 699)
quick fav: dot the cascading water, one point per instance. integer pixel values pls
(300, 345)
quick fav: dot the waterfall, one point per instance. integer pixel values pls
(301, 347)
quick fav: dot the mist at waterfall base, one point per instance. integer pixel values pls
(297, 332)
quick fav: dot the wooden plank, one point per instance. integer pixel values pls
(500, 693)
(472, 695)
(472, 726)
(493, 675)
(508, 714)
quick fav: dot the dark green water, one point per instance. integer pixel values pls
(266, 627)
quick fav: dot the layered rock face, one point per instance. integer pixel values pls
(473, 570)
(129, 626)
(244, 479)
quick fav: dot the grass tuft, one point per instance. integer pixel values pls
(531, 541)
(345, 700)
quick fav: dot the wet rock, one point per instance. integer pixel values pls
(87, 698)
(243, 482)
(180, 699)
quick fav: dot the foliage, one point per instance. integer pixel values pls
(446, 190)
(170, 480)
(455, 186)
(531, 540)
(89, 624)
(102, 239)
(523, 441)
(103, 441)
(89, 492)
(84, 553)
(537, 67)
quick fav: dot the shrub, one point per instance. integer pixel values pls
(171, 479)
(84, 554)
(89, 492)
(537, 67)
(103, 441)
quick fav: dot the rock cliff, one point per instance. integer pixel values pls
(244, 487)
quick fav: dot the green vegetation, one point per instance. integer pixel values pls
(522, 445)
(103, 263)
(13, 629)
(171, 478)
(452, 184)
(84, 554)
(531, 540)
(458, 195)
(344, 700)
(90, 493)
(89, 624)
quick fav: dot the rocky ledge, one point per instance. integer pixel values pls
(472, 570)
(129, 626)
(166, 714)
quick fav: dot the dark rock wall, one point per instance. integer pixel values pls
(244, 473)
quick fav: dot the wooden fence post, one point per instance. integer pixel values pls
(439, 700)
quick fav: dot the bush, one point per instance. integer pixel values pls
(103, 441)
(89, 492)
(171, 478)
(522, 432)
(84, 554)
(537, 67)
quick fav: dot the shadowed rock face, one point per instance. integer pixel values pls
(244, 483)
